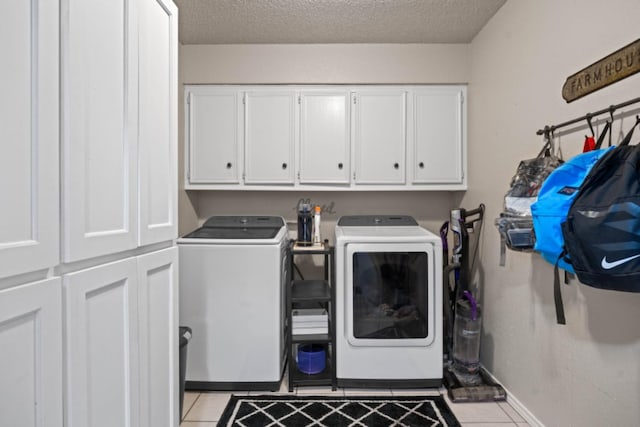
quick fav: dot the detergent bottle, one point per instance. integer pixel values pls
(316, 225)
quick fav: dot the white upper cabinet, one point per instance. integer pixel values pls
(29, 193)
(214, 129)
(379, 136)
(270, 136)
(359, 137)
(157, 121)
(99, 135)
(438, 125)
(324, 137)
(119, 125)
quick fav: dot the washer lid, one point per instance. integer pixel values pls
(233, 233)
(376, 220)
(238, 227)
(244, 221)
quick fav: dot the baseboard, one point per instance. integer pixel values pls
(231, 386)
(517, 405)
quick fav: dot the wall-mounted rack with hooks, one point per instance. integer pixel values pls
(610, 110)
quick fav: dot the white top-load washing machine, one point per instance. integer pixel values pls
(388, 303)
(232, 277)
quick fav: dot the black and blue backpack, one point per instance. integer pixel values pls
(602, 230)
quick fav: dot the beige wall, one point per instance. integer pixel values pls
(329, 64)
(318, 64)
(586, 373)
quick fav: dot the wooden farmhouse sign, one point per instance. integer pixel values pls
(620, 64)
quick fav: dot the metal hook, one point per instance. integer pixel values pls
(612, 109)
(547, 141)
(588, 117)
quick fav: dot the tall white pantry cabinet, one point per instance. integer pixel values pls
(88, 190)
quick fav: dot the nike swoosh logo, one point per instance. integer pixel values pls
(609, 265)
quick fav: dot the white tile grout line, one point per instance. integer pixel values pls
(523, 411)
(508, 414)
(183, 416)
(492, 423)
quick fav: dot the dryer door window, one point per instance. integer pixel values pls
(390, 295)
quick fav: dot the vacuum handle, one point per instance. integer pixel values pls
(468, 213)
(479, 210)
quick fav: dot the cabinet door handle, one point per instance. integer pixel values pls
(229, 165)
(340, 166)
(396, 165)
(284, 166)
(421, 165)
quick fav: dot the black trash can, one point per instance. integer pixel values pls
(185, 336)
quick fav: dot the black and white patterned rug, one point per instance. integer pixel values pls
(329, 411)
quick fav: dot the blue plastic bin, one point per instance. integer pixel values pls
(311, 358)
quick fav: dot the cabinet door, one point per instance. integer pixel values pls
(380, 123)
(157, 121)
(31, 356)
(99, 137)
(101, 346)
(438, 126)
(29, 161)
(324, 138)
(214, 135)
(158, 332)
(270, 137)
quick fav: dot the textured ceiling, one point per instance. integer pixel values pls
(332, 21)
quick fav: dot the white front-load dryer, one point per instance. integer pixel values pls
(388, 303)
(232, 277)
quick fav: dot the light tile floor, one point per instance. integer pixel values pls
(204, 409)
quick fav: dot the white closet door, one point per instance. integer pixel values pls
(270, 137)
(214, 135)
(158, 332)
(29, 193)
(324, 137)
(380, 136)
(438, 125)
(101, 344)
(157, 126)
(31, 355)
(99, 103)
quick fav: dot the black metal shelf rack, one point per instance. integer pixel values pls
(301, 294)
